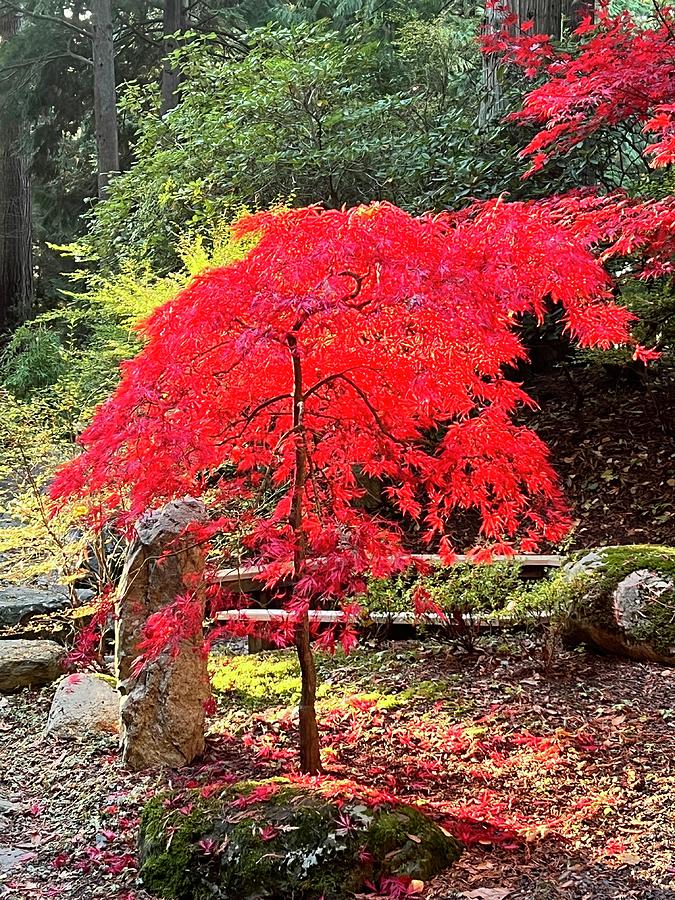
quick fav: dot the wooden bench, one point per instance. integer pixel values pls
(245, 579)
(532, 566)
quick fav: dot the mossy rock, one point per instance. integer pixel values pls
(275, 839)
(621, 600)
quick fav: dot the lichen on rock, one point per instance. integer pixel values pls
(280, 839)
(622, 600)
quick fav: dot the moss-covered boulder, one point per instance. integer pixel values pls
(278, 839)
(622, 600)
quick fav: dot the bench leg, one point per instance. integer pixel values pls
(257, 644)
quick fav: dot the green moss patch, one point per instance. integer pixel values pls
(260, 680)
(278, 839)
(272, 679)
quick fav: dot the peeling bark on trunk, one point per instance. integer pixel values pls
(16, 232)
(105, 95)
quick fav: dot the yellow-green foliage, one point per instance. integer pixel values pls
(32, 543)
(260, 680)
(53, 373)
(272, 679)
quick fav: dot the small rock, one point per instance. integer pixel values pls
(11, 858)
(29, 663)
(82, 704)
(19, 604)
(587, 563)
(635, 593)
(170, 521)
(7, 808)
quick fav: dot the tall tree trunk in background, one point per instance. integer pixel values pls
(105, 96)
(554, 17)
(491, 104)
(16, 232)
(173, 24)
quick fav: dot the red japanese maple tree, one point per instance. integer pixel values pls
(620, 73)
(348, 343)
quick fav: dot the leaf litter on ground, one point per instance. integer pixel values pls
(560, 784)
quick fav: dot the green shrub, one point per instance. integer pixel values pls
(53, 373)
(466, 594)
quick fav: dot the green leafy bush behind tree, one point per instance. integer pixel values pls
(308, 115)
(460, 599)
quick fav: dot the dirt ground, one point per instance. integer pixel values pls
(560, 784)
(613, 444)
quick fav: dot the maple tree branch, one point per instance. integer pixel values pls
(249, 417)
(661, 18)
(358, 282)
(362, 394)
(326, 381)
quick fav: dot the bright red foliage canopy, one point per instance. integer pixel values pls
(621, 72)
(363, 341)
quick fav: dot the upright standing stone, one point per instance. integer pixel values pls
(163, 707)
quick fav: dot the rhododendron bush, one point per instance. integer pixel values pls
(347, 344)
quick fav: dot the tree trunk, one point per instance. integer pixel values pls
(310, 753)
(553, 17)
(491, 104)
(173, 24)
(105, 96)
(16, 232)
